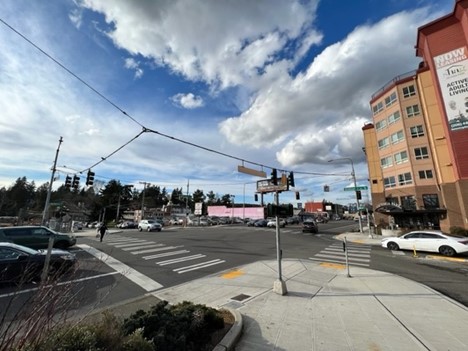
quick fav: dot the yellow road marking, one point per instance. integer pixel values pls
(232, 274)
(453, 259)
(332, 265)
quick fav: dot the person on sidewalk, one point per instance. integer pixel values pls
(102, 230)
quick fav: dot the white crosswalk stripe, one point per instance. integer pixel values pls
(358, 255)
(141, 246)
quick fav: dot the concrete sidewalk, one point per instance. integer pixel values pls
(324, 309)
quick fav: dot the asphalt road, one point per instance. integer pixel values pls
(129, 264)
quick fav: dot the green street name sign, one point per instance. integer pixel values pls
(352, 188)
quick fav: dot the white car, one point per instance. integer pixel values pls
(428, 240)
(272, 223)
(149, 225)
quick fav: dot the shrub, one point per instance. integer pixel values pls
(184, 326)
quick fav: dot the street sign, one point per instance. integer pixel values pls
(352, 188)
(198, 208)
(266, 186)
(251, 171)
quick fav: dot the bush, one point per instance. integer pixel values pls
(458, 231)
(184, 326)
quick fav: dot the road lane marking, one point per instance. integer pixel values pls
(59, 284)
(181, 259)
(351, 263)
(198, 266)
(141, 247)
(165, 254)
(155, 250)
(131, 243)
(138, 278)
(232, 274)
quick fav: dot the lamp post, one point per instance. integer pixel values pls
(355, 187)
(232, 208)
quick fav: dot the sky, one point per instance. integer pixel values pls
(182, 92)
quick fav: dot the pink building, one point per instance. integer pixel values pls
(241, 212)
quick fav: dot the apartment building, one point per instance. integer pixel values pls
(417, 145)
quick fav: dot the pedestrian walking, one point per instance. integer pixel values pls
(102, 230)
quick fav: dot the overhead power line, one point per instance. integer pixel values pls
(144, 129)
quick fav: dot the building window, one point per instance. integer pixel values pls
(426, 174)
(392, 200)
(409, 91)
(386, 162)
(383, 143)
(430, 201)
(397, 137)
(405, 178)
(377, 108)
(401, 157)
(394, 117)
(421, 153)
(412, 111)
(375, 181)
(389, 100)
(408, 202)
(380, 125)
(389, 182)
(417, 131)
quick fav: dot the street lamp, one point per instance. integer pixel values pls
(355, 187)
(232, 208)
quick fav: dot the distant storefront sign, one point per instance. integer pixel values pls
(452, 72)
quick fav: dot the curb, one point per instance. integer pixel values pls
(443, 258)
(229, 342)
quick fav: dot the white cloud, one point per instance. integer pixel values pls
(188, 101)
(224, 43)
(131, 63)
(317, 110)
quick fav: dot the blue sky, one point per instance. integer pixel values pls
(283, 84)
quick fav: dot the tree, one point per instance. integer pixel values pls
(212, 197)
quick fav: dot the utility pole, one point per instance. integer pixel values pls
(143, 199)
(45, 213)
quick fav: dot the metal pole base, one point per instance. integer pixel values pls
(279, 287)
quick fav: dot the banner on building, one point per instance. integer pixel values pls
(452, 72)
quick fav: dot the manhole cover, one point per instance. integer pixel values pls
(240, 297)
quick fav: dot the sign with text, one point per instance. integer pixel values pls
(267, 186)
(352, 188)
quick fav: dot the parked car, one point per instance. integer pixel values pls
(22, 264)
(127, 225)
(272, 223)
(251, 223)
(310, 226)
(261, 223)
(149, 225)
(428, 240)
(36, 237)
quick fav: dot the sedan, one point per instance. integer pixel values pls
(261, 223)
(22, 264)
(432, 241)
(272, 223)
(310, 226)
(149, 225)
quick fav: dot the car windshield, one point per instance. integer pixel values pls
(151, 222)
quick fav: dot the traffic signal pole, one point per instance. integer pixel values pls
(279, 286)
(45, 213)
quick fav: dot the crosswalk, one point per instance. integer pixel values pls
(358, 255)
(163, 255)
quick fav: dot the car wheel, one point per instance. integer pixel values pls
(140, 229)
(393, 246)
(148, 229)
(447, 251)
(159, 229)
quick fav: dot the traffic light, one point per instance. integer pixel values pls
(274, 176)
(256, 197)
(326, 188)
(68, 181)
(76, 182)
(90, 178)
(298, 196)
(291, 179)
(358, 194)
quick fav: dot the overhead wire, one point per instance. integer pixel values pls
(144, 129)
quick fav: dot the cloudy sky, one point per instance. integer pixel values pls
(185, 90)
